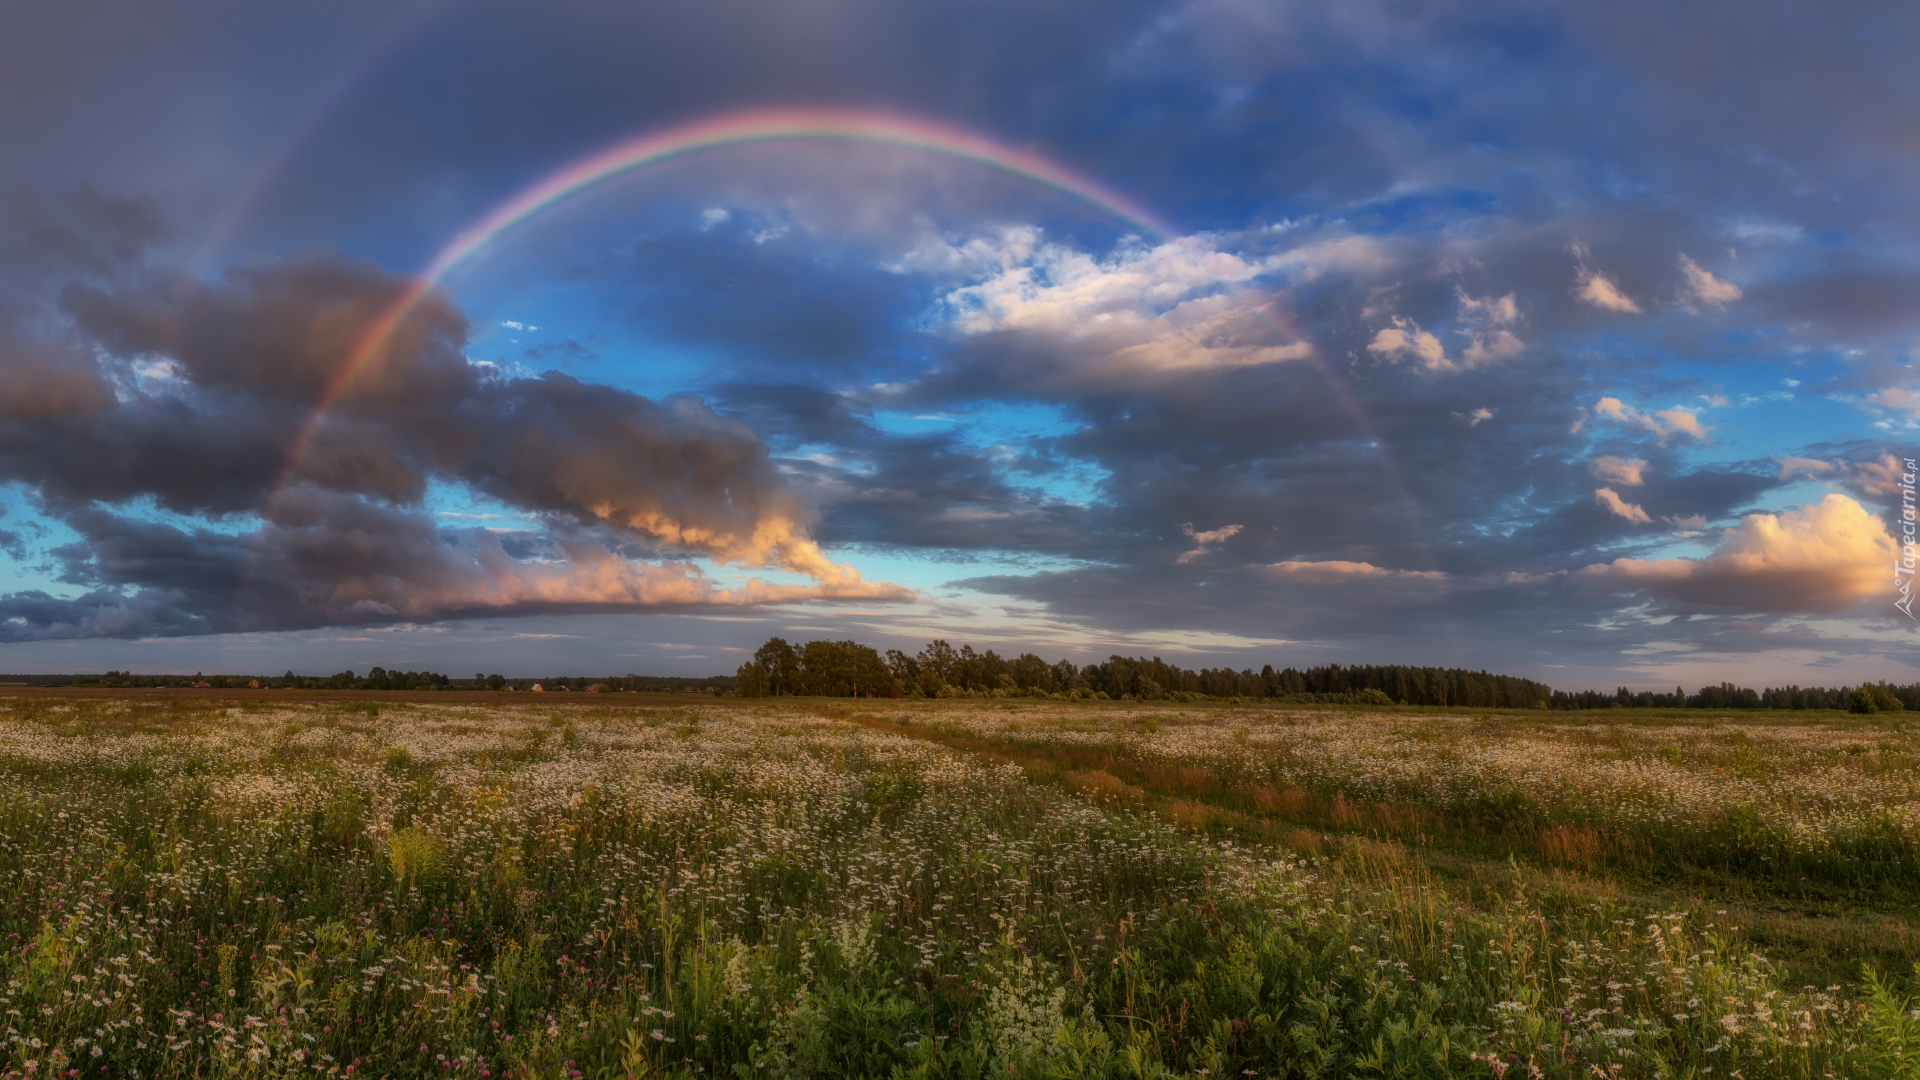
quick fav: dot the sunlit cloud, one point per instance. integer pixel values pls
(1825, 557)
(1705, 289)
(1663, 423)
(1205, 540)
(1619, 507)
(1619, 470)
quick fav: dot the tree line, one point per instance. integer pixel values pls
(1867, 698)
(850, 669)
(379, 678)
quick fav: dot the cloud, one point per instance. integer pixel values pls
(1175, 308)
(1334, 571)
(1204, 540)
(1898, 399)
(252, 355)
(1705, 289)
(1880, 477)
(1475, 418)
(1620, 470)
(1483, 321)
(1404, 340)
(1592, 287)
(328, 558)
(1663, 424)
(1610, 499)
(1821, 558)
(1791, 467)
(1597, 289)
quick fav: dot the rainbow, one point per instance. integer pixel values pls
(240, 209)
(732, 129)
(757, 126)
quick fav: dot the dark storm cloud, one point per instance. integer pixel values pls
(257, 351)
(1861, 303)
(151, 382)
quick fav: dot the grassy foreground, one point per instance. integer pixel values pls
(210, 889)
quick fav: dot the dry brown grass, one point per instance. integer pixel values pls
(1097, 784)
(1572, 845)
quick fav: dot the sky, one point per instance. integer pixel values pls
(1566, 341)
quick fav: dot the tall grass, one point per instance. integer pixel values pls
(500, 892)
(1818, 804)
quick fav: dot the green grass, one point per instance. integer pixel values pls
(528, 890)
(1796, 822)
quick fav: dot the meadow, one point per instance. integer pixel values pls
(634, 886)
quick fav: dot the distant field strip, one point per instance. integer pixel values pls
(1835, 802)
(270, 889)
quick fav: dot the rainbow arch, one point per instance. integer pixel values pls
(739, 128)
(732, 129)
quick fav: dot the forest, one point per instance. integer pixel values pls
(850, 669)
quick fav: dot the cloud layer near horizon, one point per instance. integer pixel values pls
(140, 382)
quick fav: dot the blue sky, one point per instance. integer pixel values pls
(1570, 342)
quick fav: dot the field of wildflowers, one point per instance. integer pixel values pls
(1810, 801)
(788, 889)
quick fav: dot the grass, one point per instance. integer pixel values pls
(1799, 823)
(213, 887)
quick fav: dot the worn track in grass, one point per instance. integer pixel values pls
(1822, 935)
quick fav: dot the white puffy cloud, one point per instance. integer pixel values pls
(1824, 557)
(1611, 499)
(1593, 287)
(1176, 307)
(1620, 470)
(1483, 321)
(1705, 289)
(1404, 340)
(1597, 289)
(1664, 423)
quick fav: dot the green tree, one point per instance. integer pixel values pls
(750, 680)
(938, 663)
(781, 662)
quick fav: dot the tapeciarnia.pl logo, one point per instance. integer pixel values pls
(1909, 553)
